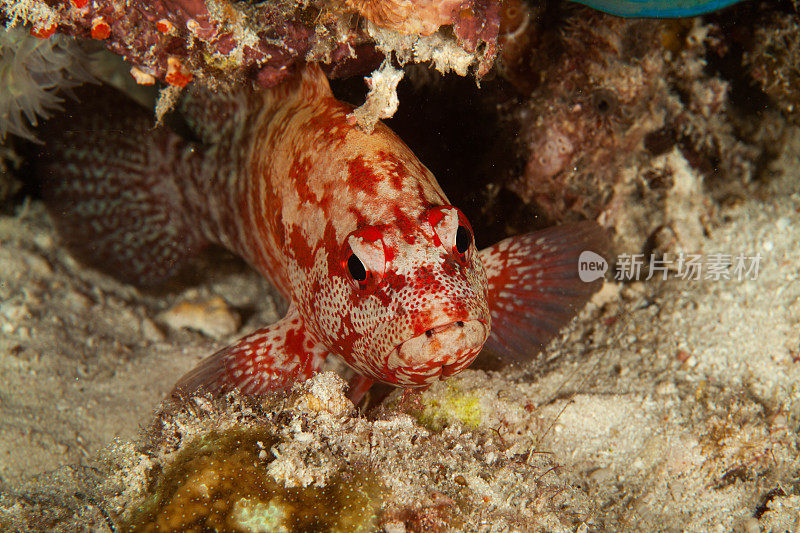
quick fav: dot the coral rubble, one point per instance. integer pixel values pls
(221, 481)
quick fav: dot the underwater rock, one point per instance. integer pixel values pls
(213, 317)
(600, 97)
(773, 62)
(416, 16)
(593, 92)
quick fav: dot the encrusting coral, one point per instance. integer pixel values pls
(220, 481)
(227, 43)
(176, 41)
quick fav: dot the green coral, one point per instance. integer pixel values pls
(219, 483)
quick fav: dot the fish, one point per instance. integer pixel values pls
(657, 8)
(378, 267)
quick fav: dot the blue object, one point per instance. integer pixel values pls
(657, 8)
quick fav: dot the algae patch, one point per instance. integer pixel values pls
(452, 404)
(219, 482)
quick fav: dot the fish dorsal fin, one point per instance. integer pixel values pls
(313, 82)
(216, 116)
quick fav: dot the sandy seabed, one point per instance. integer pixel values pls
(666, 406)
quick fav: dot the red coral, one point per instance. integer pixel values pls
(43, 32)
(100, 28)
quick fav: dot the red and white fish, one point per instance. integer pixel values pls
(351, 227)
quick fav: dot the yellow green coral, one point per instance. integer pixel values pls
(449, 405)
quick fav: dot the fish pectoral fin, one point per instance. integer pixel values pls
(534, 287)
(271, 358)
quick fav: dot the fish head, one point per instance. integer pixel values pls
(410, 299)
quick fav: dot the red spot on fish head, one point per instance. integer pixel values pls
(361, 176)
(361, 220)
(328, 125)
(407, 226)
(394, 168)
(451, 265)
(299, 175)
(298, 248)
(332, 246)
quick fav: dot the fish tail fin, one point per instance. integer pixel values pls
(535, 287)
(109, 181)
(270, 358)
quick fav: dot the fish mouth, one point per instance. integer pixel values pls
(437, 353)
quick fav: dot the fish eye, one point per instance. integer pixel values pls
(452, 230)
(363, 258)
(356, 268)
(463, 239)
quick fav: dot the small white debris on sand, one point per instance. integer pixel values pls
(324, 394)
